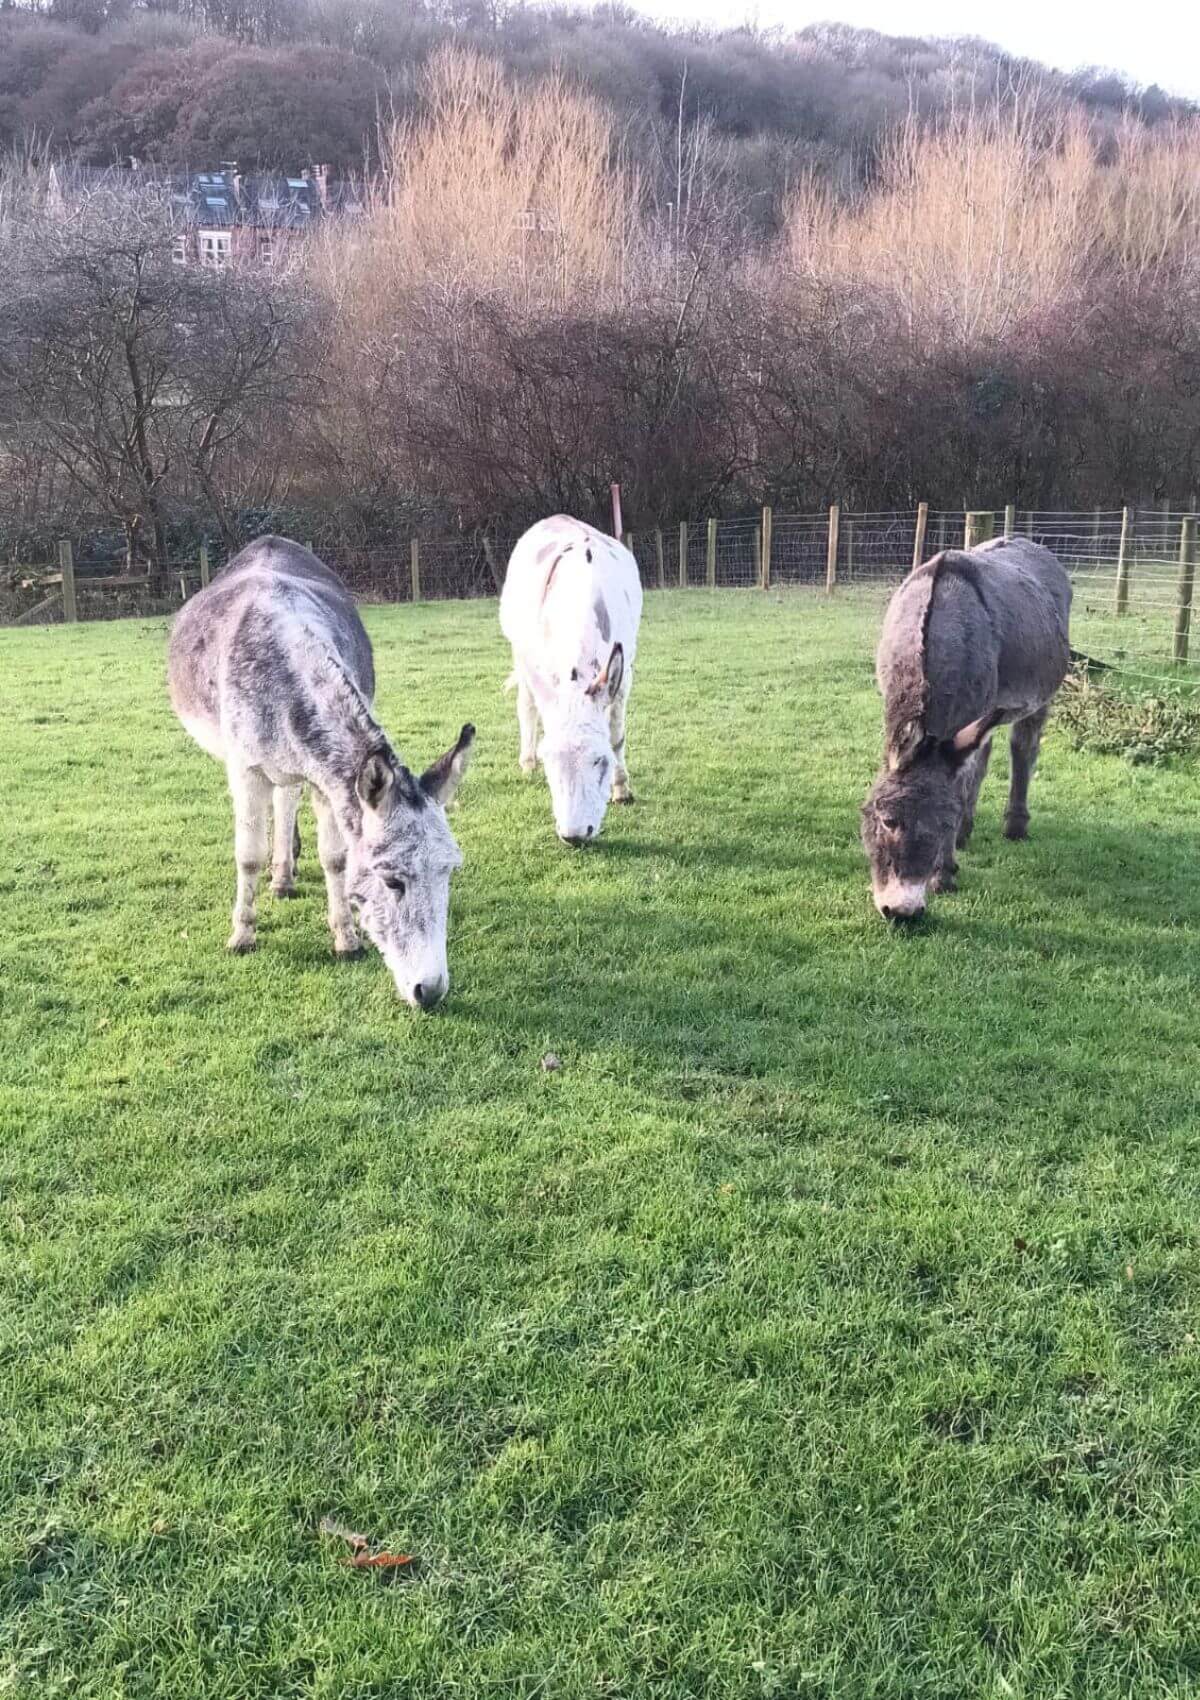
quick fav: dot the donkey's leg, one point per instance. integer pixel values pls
(251, 803)
(1026, 740)
(945, 875)
(286, 806)
(616, 723)
(331, 847)
(527, 720)
(970, 780)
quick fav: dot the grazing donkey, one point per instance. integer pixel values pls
(270, 671)
(970, 641)
(571, 607)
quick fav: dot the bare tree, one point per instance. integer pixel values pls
(136, 377)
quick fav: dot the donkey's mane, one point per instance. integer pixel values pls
(908, 691)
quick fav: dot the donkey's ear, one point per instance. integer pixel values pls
(969, 737)
(609, 682)
(905, 744)
(375, 779)
(441, 780)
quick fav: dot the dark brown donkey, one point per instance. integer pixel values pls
(970, 641)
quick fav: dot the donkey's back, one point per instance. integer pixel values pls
(246, 638)
(971, 634)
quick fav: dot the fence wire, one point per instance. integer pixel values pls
(1129, 567)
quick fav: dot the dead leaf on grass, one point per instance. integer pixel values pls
(379, 1560)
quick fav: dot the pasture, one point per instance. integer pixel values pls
(827, 1325)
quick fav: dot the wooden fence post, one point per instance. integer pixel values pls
(768, 519)
(614, 491)
(416, 570)
(1187, 581)
(1010, 519)
(835, 514)
(1123, 564)
(978, 527)
(710, 561)
(205, 574)
(658, 553)
(683, 548)
(66, 561)
(919, 538)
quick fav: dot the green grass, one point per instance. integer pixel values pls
(827, 1326)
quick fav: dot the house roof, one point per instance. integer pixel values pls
(266, 200)
(227, 198)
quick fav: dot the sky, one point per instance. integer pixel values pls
(1153, 41)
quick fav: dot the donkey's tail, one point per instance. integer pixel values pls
(1088, 663)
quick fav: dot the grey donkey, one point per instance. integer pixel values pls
(271, 672)
(970, 641)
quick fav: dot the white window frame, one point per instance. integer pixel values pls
(179, 253)
(266, 248)
(216, 249)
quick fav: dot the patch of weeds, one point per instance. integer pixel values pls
(1146, 730)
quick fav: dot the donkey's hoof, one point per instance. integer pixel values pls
(963, 837)
(623, 797)
(944, 882)
(528, 764)
(346, 950)
(288, 890)
(241, 943)
(1016, 826)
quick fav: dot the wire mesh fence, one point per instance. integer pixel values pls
(1133, 570)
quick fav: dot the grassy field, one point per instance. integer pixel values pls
(826, 1326)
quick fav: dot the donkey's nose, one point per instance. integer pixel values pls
(575, 839)
(890, 914)
(428, 992)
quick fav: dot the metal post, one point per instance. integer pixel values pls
(1187, 581)
(1123, 564)
(66, 561)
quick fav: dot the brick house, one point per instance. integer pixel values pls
(227, 218)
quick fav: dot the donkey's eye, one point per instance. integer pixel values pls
(394, 883)
(889, 823)
(601, 763)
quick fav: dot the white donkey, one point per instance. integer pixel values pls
(270, 671)
(571, 607)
